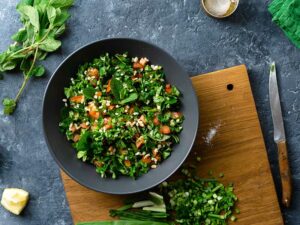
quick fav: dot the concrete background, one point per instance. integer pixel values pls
(200, 43)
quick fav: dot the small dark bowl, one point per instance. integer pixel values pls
(65, 155)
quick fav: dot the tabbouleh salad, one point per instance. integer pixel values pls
(121, 115)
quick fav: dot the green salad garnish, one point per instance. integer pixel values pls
(121, 115)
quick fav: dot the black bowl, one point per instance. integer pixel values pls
(65, 155)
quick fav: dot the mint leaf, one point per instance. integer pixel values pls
(116, 87)
(37, 71)
(132, 97)
(68, 92)
(9, 106)
(50, 45)
(30, 13)
(51, 14)
(9, 65)
(59, 30)
(20, 36)
(61, 18)
(89, 93)
(26, 2)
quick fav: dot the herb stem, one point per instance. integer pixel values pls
(27, 76)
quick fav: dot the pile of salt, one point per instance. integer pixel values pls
(218, 7)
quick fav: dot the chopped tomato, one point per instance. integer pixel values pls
(131, 110)
(111, 107)
(127, 163)
(156, 121)
(154, 152)
(157, 157)
(76, 138)
(84, 126)
(72, 128)
(108, 88)
(139, 142)
(98, 93)
(98, 163)
(77, 99)
(165, 129)
(146, 159)
(168, 88)
(108, 126)
(137, 65)
(94, 115)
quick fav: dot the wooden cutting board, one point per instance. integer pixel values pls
(237, 149)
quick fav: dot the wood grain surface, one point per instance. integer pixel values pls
(237, 150)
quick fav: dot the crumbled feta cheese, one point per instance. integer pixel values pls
(153, 166)
(64, 100)
(66, 104)
(135, 113)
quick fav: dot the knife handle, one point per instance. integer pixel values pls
(285, 173)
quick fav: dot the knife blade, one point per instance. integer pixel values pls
(279, 133)
(279, 137)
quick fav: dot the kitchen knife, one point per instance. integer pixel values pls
(279, 138)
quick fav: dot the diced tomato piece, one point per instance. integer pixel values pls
(77, 99)
(157, 157)
(131, 110)
(156, 121)
(84, 126)
(98, 163)
(94, 115)
(137, 65)
(146, 159)
(139, 142)
(108, 126)
(108, 88)
(168, 88)
(93, 72)
(127, 163)
(111, 107)
(98, 93)
(72, 128)
(165, 129)
(76, 138)
(154, 152)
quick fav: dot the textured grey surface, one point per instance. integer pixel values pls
(200, 43)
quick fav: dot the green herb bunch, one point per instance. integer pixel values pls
(44, 21)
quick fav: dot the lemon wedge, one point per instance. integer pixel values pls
(14, 200)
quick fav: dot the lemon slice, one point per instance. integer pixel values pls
(14, 200)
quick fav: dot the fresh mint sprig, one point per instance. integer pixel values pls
(44, 21)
